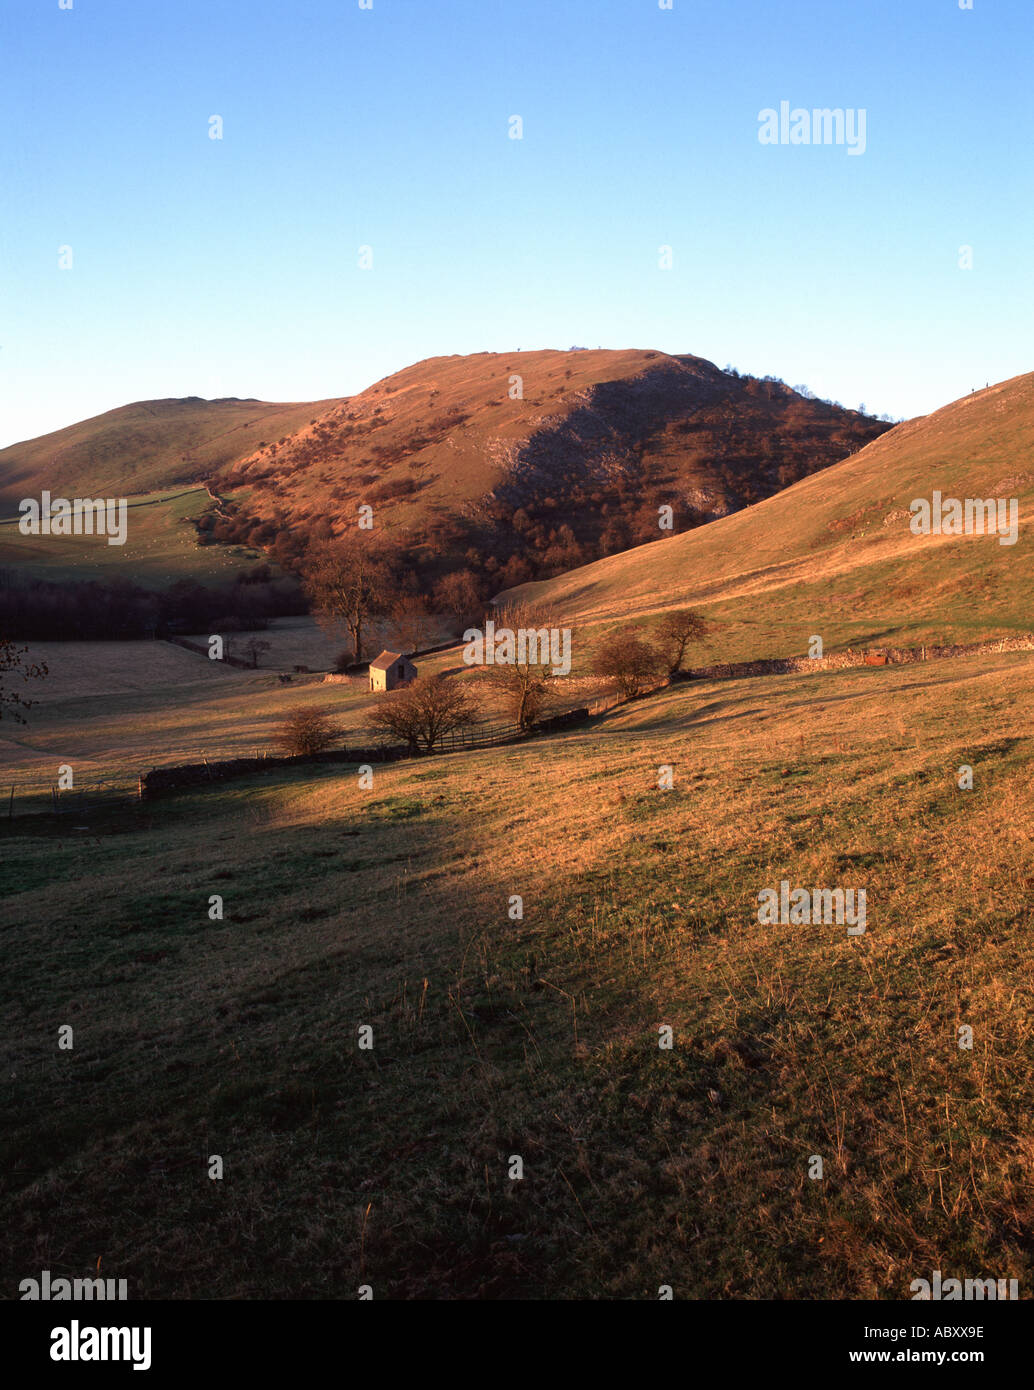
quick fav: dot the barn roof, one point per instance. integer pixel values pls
(385, 660)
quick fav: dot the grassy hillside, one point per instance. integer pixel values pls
(539, 1037)
(161, 546)
(518, 446)
(834, 554)
(536, 461)
(144, 447)
(536, 1036)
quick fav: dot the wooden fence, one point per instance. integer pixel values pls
(225, 660)
(480, 736)
(78, 800)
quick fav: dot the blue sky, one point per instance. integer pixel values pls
(231, 267)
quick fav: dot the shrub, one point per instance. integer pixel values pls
(630, 662)
(678, 630)
(422, 712)
(307, 731)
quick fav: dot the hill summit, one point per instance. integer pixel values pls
(530, 462)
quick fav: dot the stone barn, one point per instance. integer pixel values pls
(390, 670)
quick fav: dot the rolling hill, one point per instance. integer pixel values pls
(686, 1166)
(834, 554)
(515, 465)
(554, 457)
(145, 447)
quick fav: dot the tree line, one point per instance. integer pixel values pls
(49, 610)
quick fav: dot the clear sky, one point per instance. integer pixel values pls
(231, 267)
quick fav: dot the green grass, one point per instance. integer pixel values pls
(539, 1037)
(161, 546)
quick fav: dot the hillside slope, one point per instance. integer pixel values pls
(834, 555)
(554, 457)
(388, 907)
(144, 447)
(513, 465)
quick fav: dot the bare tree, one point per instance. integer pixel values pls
(256, 647)
(674, 634)
(526, 682)
(629, 661)
(348, 582)
(12, 664)
(408, 621)
(425, 710)
(457, 597)
(307, 731)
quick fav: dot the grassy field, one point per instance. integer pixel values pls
(539, 1038)
(161, 546)
(834, 555)
(111, 710)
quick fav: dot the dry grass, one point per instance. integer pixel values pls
(833, 554)
(112, 710)
(144, 446)
(539, 1037)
